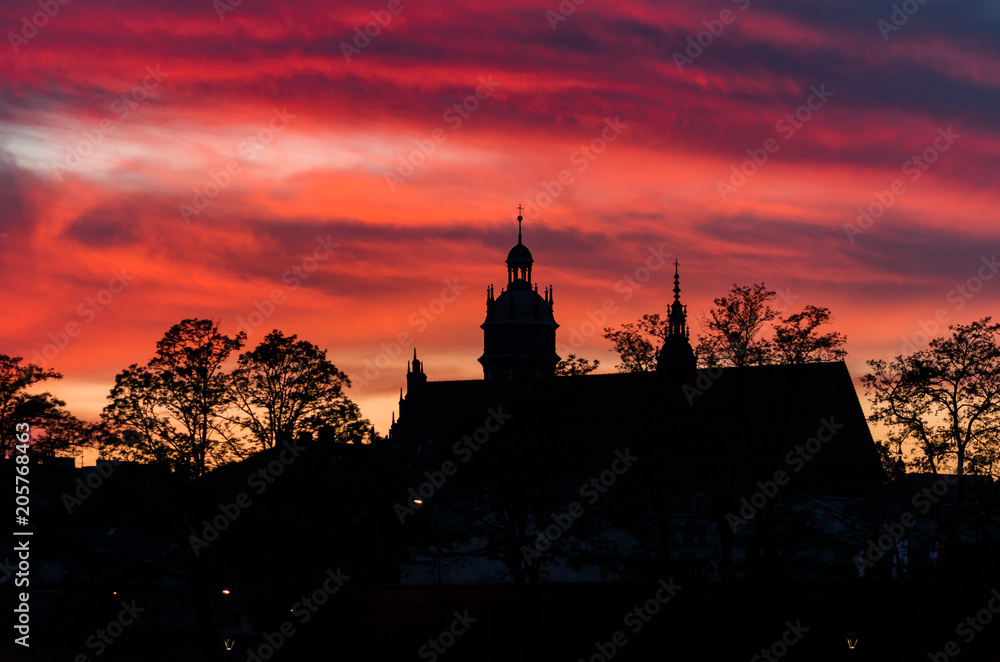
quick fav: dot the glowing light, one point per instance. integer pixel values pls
(229, 643)
(418, 502)
(225, 591)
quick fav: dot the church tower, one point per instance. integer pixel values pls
(676, 358)
(519, 334)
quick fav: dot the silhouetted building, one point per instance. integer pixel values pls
(676, 358)
(708, 437)
(519, 334)
(603, 485)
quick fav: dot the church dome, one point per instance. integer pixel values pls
(519, 255)
(520, 305)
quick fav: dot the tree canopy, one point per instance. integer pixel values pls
(575, 365)
(287, 386)
(796, 339)
(172, 410)
(944, 398)
(741, 329)
(637, 344)
(186, 410)
(54, 428)
(733, 328)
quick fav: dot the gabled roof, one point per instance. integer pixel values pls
(754, 416)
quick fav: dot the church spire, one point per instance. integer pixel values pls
(415, 375)
(677, 319)
(519, 260)
(676, 360)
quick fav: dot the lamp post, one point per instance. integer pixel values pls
(852, 644)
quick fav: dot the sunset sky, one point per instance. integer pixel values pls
(190, 159)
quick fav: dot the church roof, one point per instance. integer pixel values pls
(775, 407)
(519, 305)
(519, 255)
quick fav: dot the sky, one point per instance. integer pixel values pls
(350, 172)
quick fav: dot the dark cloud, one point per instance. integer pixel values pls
(110, 225)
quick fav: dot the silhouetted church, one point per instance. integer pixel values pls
(711, 436)
(519, 333)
